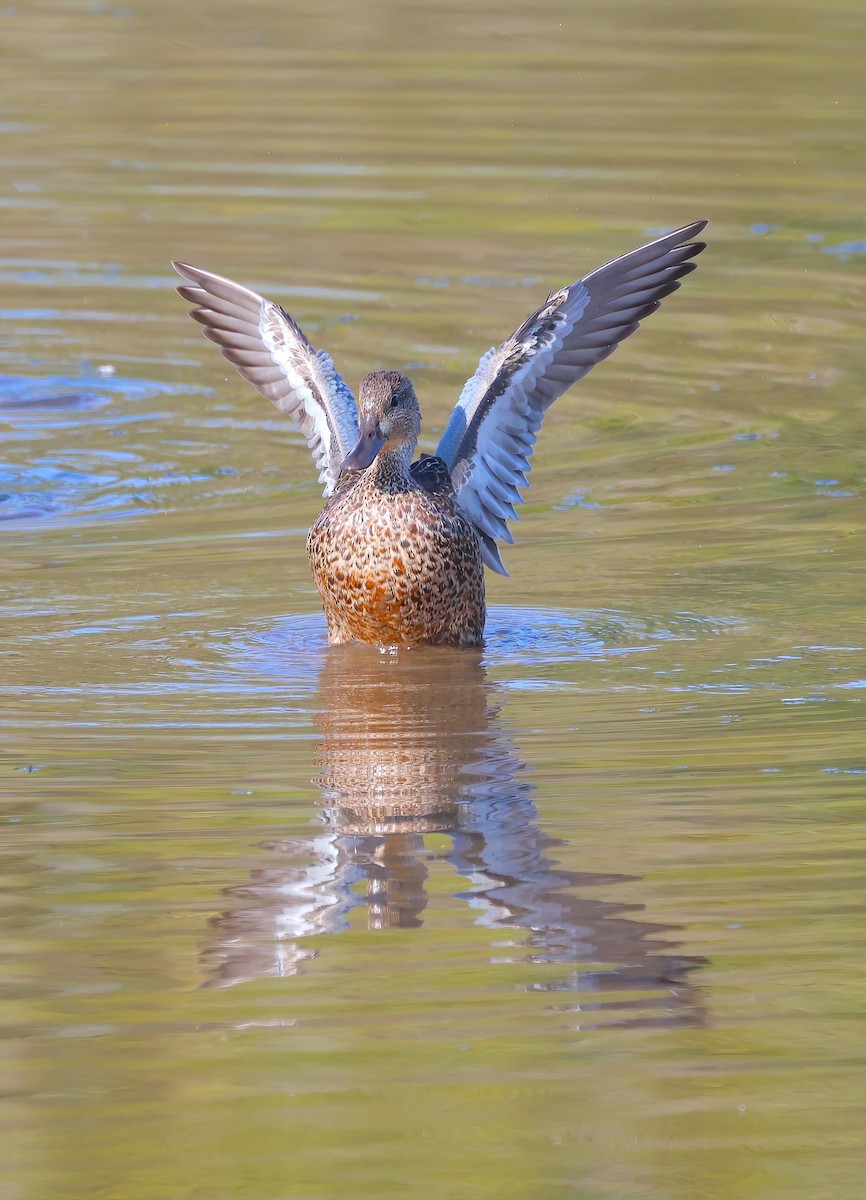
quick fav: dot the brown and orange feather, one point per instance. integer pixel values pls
(397, 567)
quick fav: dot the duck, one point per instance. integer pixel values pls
(399, 550)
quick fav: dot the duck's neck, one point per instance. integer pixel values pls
(390, 471)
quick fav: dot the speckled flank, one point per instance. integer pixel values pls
(393, 557)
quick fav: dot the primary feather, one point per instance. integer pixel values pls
(272, 353)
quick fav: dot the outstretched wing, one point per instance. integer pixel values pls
(487, 444)
(271, 351)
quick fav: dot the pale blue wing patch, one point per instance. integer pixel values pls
(488, 442)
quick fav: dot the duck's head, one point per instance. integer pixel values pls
(390, 418)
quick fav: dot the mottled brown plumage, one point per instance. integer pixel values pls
(393, 557)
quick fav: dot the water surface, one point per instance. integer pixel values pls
(575, 915)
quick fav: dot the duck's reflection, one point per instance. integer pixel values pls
(411, 746)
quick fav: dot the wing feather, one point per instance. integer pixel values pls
(487, 444)
(272, 353)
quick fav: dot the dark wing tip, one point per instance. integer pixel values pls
(192, 281)
(490, 552)
(692, 230)
(199, 277)
(191, 293)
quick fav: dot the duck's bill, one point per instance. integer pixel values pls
(368, 446)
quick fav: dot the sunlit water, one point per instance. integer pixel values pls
(576, 915)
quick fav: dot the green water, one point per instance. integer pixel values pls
(582, 915)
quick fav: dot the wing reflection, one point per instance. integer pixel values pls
(411, 745)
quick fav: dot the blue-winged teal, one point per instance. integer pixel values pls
(399, 549)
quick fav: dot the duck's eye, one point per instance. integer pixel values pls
(395, 400)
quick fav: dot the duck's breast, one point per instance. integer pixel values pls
(398, 568)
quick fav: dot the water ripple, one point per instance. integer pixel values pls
(516, 638)
(59, 479)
